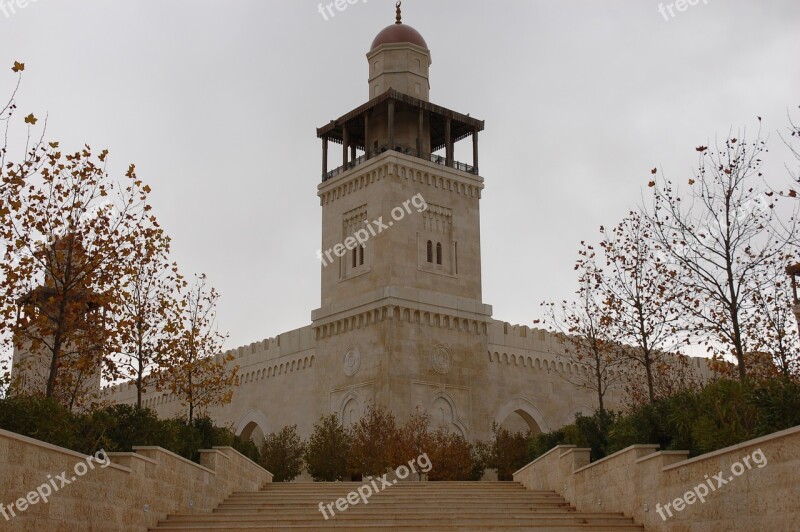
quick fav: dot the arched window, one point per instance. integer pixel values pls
(361, 255)
(355, 258)
(430, 251)
(439, 253)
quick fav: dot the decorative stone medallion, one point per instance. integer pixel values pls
(441, 359)
(352, 361)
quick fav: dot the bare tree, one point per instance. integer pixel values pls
(640, 291)
(586, 328)
(193, 370)
(720, 234)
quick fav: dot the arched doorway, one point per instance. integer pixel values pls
(252, 426)
(521, 415)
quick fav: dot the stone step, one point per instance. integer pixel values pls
(404, 520)
(395, 493)
(316, 497)
(425, 506)
(415, 528)
(576, 518)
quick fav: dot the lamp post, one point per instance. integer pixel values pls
(793, 271)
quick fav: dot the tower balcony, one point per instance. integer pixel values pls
(395, 121)
(432, 157)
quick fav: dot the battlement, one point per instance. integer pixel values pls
(523, 337)
(253, 354)
(534, 347)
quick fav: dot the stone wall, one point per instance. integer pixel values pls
(750, 486)
(131, 493)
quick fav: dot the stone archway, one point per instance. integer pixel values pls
(253, 426)
(521, 414)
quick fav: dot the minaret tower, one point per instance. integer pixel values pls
(402, 322)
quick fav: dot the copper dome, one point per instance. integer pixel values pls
(399, 33)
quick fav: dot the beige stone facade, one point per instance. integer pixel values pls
(402, 320)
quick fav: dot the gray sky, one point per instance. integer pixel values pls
(217, 104)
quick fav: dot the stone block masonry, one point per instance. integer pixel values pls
(131, 494)
(639, 480)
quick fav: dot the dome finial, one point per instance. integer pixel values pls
(399, 14)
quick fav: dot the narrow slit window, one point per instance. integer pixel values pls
(439, 253)
(361, 255)
(430, 251)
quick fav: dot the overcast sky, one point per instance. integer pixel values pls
(217, 104)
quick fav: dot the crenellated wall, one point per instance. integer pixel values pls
(496, 372)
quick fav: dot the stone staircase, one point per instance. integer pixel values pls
(425, 506)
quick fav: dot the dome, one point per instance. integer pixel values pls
(399, 33)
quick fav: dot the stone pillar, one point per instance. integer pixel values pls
(391, 124)
(448, 141)
(324, 157)
(420, 129)
(367, 146)
(475, 151)
(345, 145)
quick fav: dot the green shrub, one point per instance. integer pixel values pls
(282, 454)
(40, 418)
(451, 457)
(327, 450)
(116, 428)
(509, 452)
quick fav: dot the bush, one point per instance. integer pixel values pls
(509, 451)
(451, 457)
(41, 418)
(723, 413)
(481, 459)
(117, 428)
(779, 404)
(327, 450)
(282, 454)
(413, 438)
(374, 438)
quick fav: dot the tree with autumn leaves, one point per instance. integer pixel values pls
(194, 371)
(67, 244)
(146, 312)
(88, 291)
